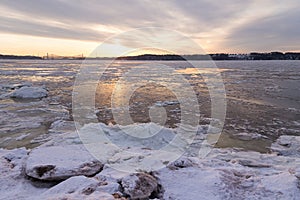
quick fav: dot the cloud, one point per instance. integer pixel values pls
(19, 26)
(278, 32)
(235, 24)
(116, 12)
(207, 14)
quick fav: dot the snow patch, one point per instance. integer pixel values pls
(29, 93)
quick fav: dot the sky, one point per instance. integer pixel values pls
(73, 27)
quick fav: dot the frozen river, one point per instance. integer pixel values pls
(263, 98)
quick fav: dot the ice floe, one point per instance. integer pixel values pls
(29, 93)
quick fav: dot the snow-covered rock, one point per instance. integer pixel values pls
(29, 93)
(139, 185)
(183, 162)
(77, 187)
(76, 184)
(59, 163)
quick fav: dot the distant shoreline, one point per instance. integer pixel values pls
(170, 57)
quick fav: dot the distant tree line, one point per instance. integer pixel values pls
(216, 56)
(152, 57)
(274, 56)
(19, 57)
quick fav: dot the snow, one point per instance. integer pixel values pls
(286, 187)
(15, 86)
(223, 174)
(166, 103)
(75, 184)
(190, 183)
(287, 145)
(59, 163)
(29, 93)
(13, 184)
(249, 136)
(22, 137)
(62, 126)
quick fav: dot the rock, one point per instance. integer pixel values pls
(29, 93)
(139, 186)
(183, 162)
(297, 173)
(110, 179)
(59, 163)
(287, 145)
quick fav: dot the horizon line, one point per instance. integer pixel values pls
(82, 55)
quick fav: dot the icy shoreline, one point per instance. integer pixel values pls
(62, 168)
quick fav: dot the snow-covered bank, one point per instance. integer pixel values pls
(63, 169)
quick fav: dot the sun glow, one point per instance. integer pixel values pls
(40, 46)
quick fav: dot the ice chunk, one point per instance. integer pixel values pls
(59, 163)
(29, 93)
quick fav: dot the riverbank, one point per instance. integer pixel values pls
(62, 168)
